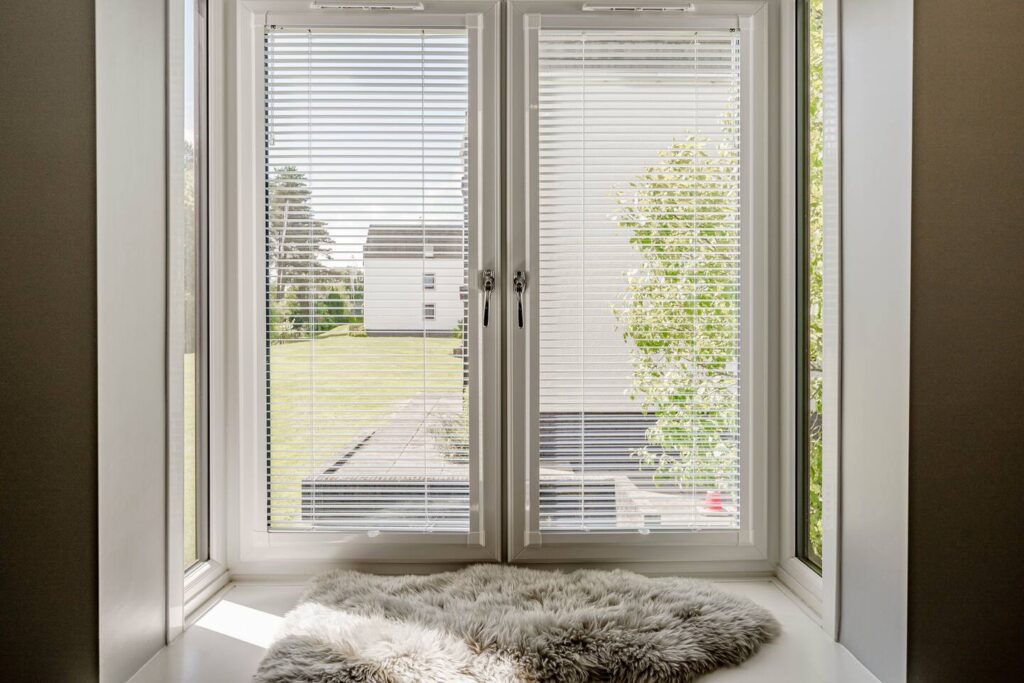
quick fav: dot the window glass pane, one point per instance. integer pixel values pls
(639, 280)
(366, 194)
(813, 299)
(190, 264)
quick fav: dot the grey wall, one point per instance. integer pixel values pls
(131, 256)
(967, 375)
(876, 80)
(83, 374)
(48, 570)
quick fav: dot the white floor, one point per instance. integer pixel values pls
(226, 643)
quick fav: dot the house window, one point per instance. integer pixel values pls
(639, 279)
(194, 262)
(366, 166)
(638, 366)
(810, 304)
(605, 319)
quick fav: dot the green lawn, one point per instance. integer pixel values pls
(359, 381)
(190, 459)
(327, 391)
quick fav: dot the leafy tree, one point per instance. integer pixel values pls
(190, 248)
(681, 312)
(348, 282)
(330, 311)
(280, 313)
(816, 257)
(297, 246)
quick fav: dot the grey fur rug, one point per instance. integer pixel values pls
(502, 624)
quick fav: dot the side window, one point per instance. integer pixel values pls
(810, 282)
(194, 266)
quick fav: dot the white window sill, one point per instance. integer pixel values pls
(230, 634)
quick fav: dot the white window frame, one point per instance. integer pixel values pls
(235, 413)
(750, 547)
(819, 592)
(429, 281)
(206, 578)
(188, 589)
(252, 548)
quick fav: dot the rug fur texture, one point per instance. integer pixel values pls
(501, 624)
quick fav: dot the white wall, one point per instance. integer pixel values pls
(393, 294)
(876, 80)
(585, 363)
(130, 130)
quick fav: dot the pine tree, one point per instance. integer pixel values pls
(297, 247)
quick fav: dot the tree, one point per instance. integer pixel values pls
(680, 312)
(297, 246)
(816, 265)
(330, 311)
(348, 282)
(189, 238)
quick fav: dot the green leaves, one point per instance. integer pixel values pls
(680, 312)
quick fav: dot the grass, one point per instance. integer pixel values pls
(327, 391)
(359, 381)
(191, 551)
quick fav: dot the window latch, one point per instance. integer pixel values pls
(519, 286)
(488, 284)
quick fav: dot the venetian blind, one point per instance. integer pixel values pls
(638, 184)
(366, 196)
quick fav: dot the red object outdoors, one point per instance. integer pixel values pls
(713, 501)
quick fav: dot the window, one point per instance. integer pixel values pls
(605, 311)
(639, 279)
(637, 427)
(810, 282)
(366, 178)
(194, 266)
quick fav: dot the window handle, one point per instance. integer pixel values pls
(519, 286)
(488, 283)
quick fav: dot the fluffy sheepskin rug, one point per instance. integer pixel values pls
(496, 623)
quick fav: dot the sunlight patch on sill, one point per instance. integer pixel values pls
(241, 623)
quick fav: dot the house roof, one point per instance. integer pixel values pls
(415, 241)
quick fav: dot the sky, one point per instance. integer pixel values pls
(376, 120)
(189, 71)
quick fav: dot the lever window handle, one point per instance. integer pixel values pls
(519, 286)
(488, 283)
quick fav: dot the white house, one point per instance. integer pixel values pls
(414, 279)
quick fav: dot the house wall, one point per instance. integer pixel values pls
(131, 257)
(48, 452)
(585, 363)
(967, 332)
(876, 44)
(393, 295)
